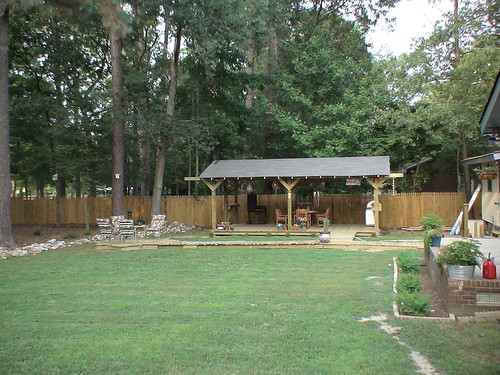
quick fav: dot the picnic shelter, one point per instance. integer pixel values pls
(290, 172)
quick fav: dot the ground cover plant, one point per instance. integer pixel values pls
(280, 311)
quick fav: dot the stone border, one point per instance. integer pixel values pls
(37, 248)
(395, 310)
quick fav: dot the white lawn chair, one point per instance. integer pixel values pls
(126, 229)
(157, 225)
(105, 228)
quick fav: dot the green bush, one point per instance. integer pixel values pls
(409, 283)
(431, 221)
(37, 232)
(412, 304)
(71, 236)
(408, 263)
(87, 232)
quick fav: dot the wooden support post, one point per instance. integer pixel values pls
(213, 188)
(376, 183)
(236, 201)
(465, 221)
(289, 185)
(226, 203)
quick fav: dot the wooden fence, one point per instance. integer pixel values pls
(400, 210)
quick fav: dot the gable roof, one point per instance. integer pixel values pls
(342, 167)
(490, 119)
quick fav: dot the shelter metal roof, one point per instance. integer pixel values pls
(340, 167)
(486, 158)
(490, 120)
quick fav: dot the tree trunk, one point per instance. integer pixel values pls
(117, 178)
(249, 103)
(273, 58)
(163, 145)
(6, 238)
(462, 127)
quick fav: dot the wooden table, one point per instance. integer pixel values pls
(309, 217)
(138, 227)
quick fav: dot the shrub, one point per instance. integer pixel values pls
(71, 236)
(431, 221)
(409, 283)
(87, 232)
(408, 263)
(412, 304)
(37, 232)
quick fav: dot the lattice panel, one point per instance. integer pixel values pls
(488, 299)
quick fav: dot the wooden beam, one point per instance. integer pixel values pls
(396, 175)
(376, 183)
(226, 202)
(289, 185)
(213, 188)
(192, 179)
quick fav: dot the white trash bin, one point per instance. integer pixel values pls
(369, 215)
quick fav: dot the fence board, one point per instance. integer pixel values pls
(398, 210)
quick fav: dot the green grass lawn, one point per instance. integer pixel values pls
(290, 311)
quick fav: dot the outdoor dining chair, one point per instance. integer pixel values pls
(320, 218)
(280, 217)
(303, 216)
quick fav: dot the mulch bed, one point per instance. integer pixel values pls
(438, 308)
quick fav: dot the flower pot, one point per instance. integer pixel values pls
(324, 237)
(436, 241)
(460, 272)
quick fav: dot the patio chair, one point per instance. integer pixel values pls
(157, 225)
(105, 228)
(126, 229)
(320, 218)
(114, 225)
(303, 216)
(280, 217)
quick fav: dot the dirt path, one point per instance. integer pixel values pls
(423, 365)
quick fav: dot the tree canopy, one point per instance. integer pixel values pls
(255, 79)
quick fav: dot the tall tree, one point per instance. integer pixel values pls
(465, 56)
(6, 238)
(118, 135)
(113, 20)
(163, 142)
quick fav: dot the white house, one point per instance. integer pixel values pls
(489, 163)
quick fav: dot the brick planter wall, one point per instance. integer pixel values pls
(463, 297)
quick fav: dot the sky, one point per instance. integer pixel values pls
(414, 18)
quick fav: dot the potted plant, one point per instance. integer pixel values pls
(486, 173)
(432, 225)
(433, 238)
(324, 235)
(460, 258)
